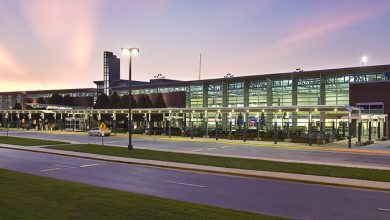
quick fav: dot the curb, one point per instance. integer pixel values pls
(302, 178)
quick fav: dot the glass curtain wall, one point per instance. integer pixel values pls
(195, 96)
(215, 95)
(282, 92)
(257, 93)
(235, 94)
(337, 88)
(308, 91)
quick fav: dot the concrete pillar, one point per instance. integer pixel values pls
(205, 95)
(246, 93)
(224, 94)
(268, 123)
(294, 96)
(322, 90)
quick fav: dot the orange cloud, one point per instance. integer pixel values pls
(66, 28)
(9, 68)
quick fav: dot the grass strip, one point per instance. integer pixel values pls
(27, 141)
(25, 196)
(228, 162)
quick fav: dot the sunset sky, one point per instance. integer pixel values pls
(58, 44)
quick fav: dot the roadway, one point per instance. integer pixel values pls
(294, 152)
(293, 200)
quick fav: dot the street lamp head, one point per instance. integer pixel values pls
(364, 59)
(130, 51)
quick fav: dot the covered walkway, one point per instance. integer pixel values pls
(305, 124)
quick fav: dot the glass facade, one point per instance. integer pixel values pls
(308, 91)
(235, 94)
(195, 96)
(251, 93)
(257, 93)
(214, 98)
(282, 92)
(337, 88)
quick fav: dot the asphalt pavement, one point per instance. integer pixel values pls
(316, 154)
(293, 200)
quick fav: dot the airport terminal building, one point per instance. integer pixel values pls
(299, 101)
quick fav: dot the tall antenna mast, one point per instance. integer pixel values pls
(200, 66)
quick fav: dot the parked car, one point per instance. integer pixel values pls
(99, 132)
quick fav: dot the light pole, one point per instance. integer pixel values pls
(129, 52)
(364, 60)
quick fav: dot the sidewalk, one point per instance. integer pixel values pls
(218, 170)
(379, 147)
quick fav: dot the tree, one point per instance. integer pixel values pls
(124, 103)
(17, 106)
(56, 99)
(41, 100)
(145, 102)
(160, 102)
(68, 100)
(115, 101)
(102, 102)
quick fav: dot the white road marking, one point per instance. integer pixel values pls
(226, 146)
(197, 150)
(211, 148)
(48, 170)
(385, 210)
(186, 184)
(90, 165)
(63, 166)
